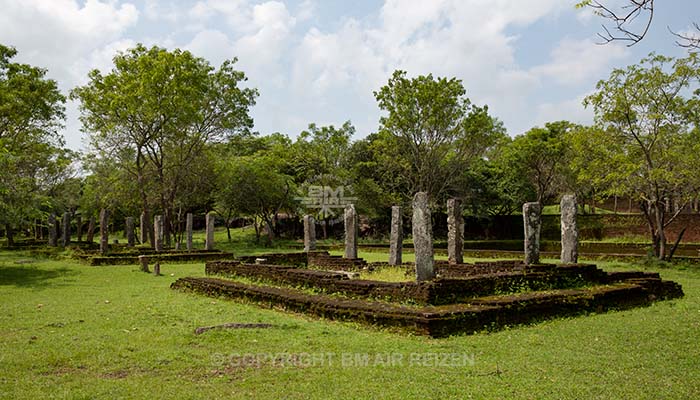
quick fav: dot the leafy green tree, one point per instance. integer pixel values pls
(492, 187)
(431, 132)
(254, 186)
(649, 142)
(322, 150)
(377, 180)
(32, 154)
(540, 156)
(153, 115)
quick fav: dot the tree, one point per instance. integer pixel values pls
(254, 186)
(627, 27)
(153, 115)
(32, 156)
(432, 131)
(322, 150)
(649, 143)
(492, 187)
(539, 155)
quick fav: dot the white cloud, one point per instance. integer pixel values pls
(324, 70)
(272, 28)
(155, 11)
(306, 10)
(238, 13)
(58, 34)
(463, 38)
(213, 45)
(99, 58)
(575, 61)
(570, 110)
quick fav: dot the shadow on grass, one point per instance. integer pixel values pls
(30, 276)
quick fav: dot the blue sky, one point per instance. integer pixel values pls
(320, 60)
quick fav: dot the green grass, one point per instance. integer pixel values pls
(555, 209)
(386, 274)
(73, 331)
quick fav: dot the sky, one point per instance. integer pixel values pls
(319, 61)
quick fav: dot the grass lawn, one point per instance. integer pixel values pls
(73, 331)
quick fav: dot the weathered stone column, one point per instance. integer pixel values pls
(143, 260)
(396, 237)
(209, 243)
(53, 237)
(65, 229)
(188, 230)
(104, 231)
(569, 230)
(309, 233)
(455, 232)
(91, 229)
(423, 238)
(158, 232)
(143, 228)
(532, 223)
(351, 233)
(129, 227)
(79, 225)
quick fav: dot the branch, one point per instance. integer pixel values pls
(688, 40)
(623, 19)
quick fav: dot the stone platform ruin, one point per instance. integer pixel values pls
(445, 297)
(464, 298)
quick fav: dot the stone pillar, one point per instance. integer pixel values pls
(532, 222)
(158, 231)
(65, 229)
(188, 230)
(351, 228)
(209, 243)
(396, 237)
(104, 231)
(309, 233)
(129, 227)
(455, 232)
(79, 225)
(569, 230)
(143, 260)
(423, 238)
(91, 229)
(53, 237)
(143, 228)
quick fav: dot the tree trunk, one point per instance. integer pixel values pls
(675, 245)
(91, 229)
(10, 236)
(270, 233)
(661, 235)
(167, 225)
(148, 226)
(228, 225)
(257, 230)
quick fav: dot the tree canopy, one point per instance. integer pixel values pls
(648, 144)
(32, 154)
(154, 113)
(431, 131)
